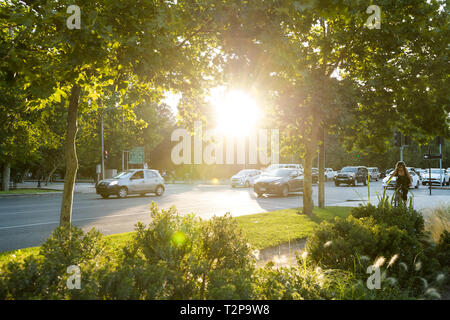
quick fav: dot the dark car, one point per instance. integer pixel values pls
(351, 176)
(279, 181)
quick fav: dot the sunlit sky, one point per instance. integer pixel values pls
(237, 112)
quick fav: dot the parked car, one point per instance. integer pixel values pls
(329, 173)
(374, 173)
(418, 171)
(135, 181)
(438, 177)
(390, 183)
(279, 181)
(245, 178)
(284, 165)
(351, 176)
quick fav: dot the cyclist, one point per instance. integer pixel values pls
(403, 180)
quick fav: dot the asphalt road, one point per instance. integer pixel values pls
(27, 220)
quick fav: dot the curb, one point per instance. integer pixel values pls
(29, 194)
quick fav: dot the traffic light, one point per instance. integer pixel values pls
(106, 154)
(398, 139)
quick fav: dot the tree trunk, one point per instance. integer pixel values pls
(49, 177)
(6, 176)
(321, 199)
(71, 157)
(310, 152)
(24, 175)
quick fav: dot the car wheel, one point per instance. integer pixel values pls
(105, 196)
(123, 192)
(233, 186)
(259, 195)
(337, 184)
(417, 185)
(142, 194)
(285, 191)
(247, 184)
(159, 190)
(354, 183)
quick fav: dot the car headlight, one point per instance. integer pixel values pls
(113, 183)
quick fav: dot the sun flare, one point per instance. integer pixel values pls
(237, 113)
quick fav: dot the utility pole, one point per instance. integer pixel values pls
(103, 150)
(440, 164)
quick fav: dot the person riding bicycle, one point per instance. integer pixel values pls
(403, 180)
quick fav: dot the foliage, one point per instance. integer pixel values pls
(392, 238)
(438, 222)
(44, 276)
(184, 258)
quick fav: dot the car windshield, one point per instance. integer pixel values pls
(437, 170)
(123, 174)
(279, 173)
(349, 169)
(243, 173)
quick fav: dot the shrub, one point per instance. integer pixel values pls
(438, 221)
(392, 238)
(44, 276)
(179, 257)
(404, 218)
(339, 245)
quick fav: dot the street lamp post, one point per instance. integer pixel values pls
(103, 146)
(103, 150)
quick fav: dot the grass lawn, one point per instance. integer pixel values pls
(27, 191)
(272, 228)
(262, 230)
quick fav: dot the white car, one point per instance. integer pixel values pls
(438, 177)
(245, 178)
(374, 173)
(414, 177)
(329, 173)
(133, 181)
(283, 165)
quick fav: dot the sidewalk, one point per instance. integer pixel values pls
(80, 187)
(85, 187)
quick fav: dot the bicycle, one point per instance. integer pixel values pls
(397, 197)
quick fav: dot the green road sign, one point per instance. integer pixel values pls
(137, 156)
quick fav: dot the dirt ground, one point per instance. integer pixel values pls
(282, 255)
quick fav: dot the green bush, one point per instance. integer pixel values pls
(393, 238)
(177, 257)
(44, 276)
(404, 218)
(184, 257)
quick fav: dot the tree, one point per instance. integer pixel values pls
(151, 50)
(324, 69)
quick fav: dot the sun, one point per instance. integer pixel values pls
(237, 113)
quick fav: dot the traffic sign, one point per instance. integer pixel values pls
(432, 156)
(137, 156)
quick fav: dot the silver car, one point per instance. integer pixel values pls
(135, 181)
